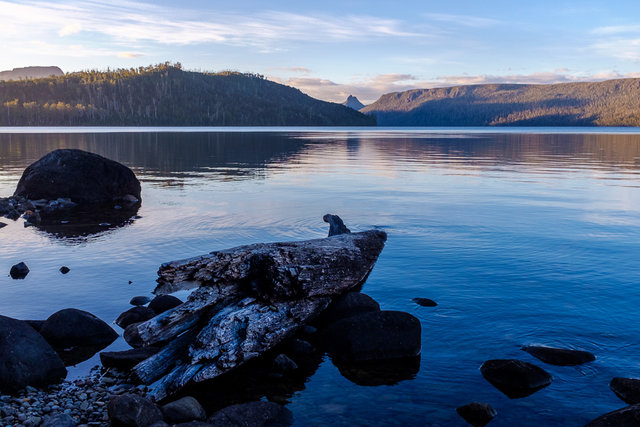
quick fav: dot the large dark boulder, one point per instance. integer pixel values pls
(134, 315)
(348, 305)
(59, 420)
(627, 389)
(477, 414)
(625, 417)
(376, 335)
(183, 410)
(559, 356)
(85, 178)
(132, 411)
(515, 378)
(162, 303)
(26, 358)
(19, 271)
(254, 414)
(76, 328)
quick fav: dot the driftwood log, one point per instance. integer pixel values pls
(248, 300)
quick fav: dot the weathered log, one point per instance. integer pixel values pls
(250, 299)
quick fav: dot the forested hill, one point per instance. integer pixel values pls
(165, 95)
(608, 103)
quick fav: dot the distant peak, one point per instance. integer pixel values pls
(30, 73)
(353, 102)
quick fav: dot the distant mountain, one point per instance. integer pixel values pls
(353, 102)
(607, 103)
(164, 95)
(30, 73)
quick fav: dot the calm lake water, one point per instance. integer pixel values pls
(521, 238)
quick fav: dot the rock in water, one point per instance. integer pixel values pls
(19, 271)
(627, 389)
(76, 328)
(336, 226)
(625, 417)
(131, 410)
(134, 315)
(515, 378)
(139, 300)
(26, 358)
(259, 414)
(559, 356)
(349, 305)
(162, 303)
(477, 414)
(85, 178)
(182, 410)
(376, 335)
(127, 359)
(64, 269)
(425, 302)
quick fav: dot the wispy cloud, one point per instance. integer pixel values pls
(464, 20)
(622, 48)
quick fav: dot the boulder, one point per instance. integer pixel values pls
(139, 300)
(627, 389)
(85, 178)
(336, 226)
(76, 328)
(162, 303)
(59, 420)
(132, 411)
(559, 356)
(283, 363)
(301, 347)
(182, 410)
(349, 304)
(425, 302)
(375, 373)
(125, 360)
(64, 269)
(515, 378)
(376, 335)
(35, 324)
(19, 271)
(134, 315)
(477, 414)
(26, 358)
(255, 414)
(625, 417)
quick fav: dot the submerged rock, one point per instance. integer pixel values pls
(627, 389)
(131, 410)
(19, 271)
(76, 328)
(376, 335)
(559, 356)
(625, 417)
(348, 305)
(425, 302)
(258, 414)
(477, 414)
(85, 178)
(139, 300)
(515, 378)
(134, 315)
(379, 372)
(26, 358)
(185, 409)
(283, 363)
(162, 303)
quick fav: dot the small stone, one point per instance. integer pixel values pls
(139, 300)
(302, 347)
(182, 410)
(162, 303)
(559, 356)
(283, 363)
(425, 302)
(19, 271)
(64, 269)
(309, 330)
(477, 414)
(515, 378)
(84, 406)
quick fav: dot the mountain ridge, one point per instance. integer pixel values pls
(353, 102)
(606, 103)
(33, 72)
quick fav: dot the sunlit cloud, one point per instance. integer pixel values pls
(627, 49)
(67, 30)
(130, 54)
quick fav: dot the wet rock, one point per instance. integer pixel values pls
(76, 328)
(477, 414)
(131, 410)
(375, 373)
(515, 378)
(283, 363)
(64, 269)
(185, 409)
(425, 302)
(134, 315)
(627, 389)
(59, 420)
(139, 300)
(301, 347)
(625, 417)
(559, 356)
(336, 225)
(348, 305)
(85, 178)
(376, 335)
(19, 271)
(256, 414)
(35, 324)
(125, 360)
(162, 303)
(159, 424)
(27, 359)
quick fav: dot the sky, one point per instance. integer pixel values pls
(330, 49)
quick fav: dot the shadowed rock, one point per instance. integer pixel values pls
(184, 409)
(19, 271)
(59, 420)
(336, 226)
(134, 315)
(76, 328)
(625, 417)
(425, 302)
(125, 360)
(349, 305)
(256, 414)
(162, 303)
(477, 414)
(139, 300)
(379, 372)
(559, 356)
(515, 378)
(627, 389)
(131, 410)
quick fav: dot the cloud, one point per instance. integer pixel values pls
(130, 54)
(67, 30)
(622, 48)
(463, 20)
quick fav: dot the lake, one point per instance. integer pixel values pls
(522, 236)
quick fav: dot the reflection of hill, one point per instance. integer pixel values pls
(172, 155)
